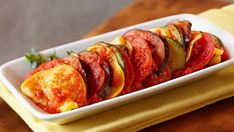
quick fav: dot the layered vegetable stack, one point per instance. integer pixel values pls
(136, 60)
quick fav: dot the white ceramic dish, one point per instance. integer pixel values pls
(13, 73)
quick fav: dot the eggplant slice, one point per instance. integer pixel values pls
(97, 72)
(114, 58)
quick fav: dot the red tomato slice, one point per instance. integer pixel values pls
(158, 48)
(128, 72)
(46, 66)
(71, 60)
(201, 54)
(141, 59)
(225, 55)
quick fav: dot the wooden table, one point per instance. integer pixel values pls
(215, 117)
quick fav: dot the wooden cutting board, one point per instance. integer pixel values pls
(216, 117)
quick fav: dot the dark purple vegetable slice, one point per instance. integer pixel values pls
(96, 72)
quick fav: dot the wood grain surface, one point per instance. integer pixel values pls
(217, 117)
(145, 10)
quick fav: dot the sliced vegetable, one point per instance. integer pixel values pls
(214, 60)
(194, 37)
(97, 77)
(201, 54)
(176, 55)
(131, 62)
(128, 73)
(128, 68)
(176, 35)
(217, 42)
(94, 99)
(115, 60)
(218, 52)
(120, 41)
(57, 89)
(162, 31)
(74, 61)
(225, 55)
(141, 60)
(71, 60)
(154, 79)
(184, 27)
(158, 48)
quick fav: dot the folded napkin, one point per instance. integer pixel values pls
(152, 110)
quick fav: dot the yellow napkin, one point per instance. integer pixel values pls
(152, 110)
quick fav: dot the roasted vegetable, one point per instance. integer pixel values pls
(195, 36)
(184, 27)
(136, 60)
(163, 32)
(57, 89)
(158, 48)
(120, 41)
(97, 73)
(176, 35)
(113, 56)
(176, 55)
(201, 54)
(141, 60)
(70, 60)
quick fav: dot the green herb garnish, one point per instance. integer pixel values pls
(36, 59)
(72, 53)
(53, 56)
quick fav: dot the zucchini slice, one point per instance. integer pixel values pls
(176, 55)
(176, 35)
(163, 32)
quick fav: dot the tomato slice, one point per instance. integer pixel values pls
(75, 63)
(225, 55)
(141, 59)
(201, 54)
(128, 73)
(158, 48)
(70, 60)
(46, 66)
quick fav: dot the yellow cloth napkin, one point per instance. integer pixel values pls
(152, 110)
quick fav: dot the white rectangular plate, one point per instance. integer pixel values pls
(13, 73)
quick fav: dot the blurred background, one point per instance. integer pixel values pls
(47, 23)
(43, 24)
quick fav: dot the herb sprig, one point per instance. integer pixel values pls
(72, 53)
(36, 59)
